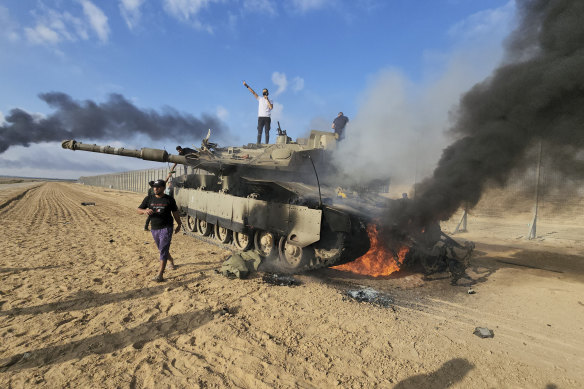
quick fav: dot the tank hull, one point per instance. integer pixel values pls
(301, 238)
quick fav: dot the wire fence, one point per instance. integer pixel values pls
(134, 181)
(558, 197)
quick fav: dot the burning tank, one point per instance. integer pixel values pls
(282, 200)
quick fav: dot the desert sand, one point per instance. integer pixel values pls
(78, 309)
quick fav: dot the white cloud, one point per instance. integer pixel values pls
(97, 20)
(9, 27)
(484, 23)
(41, 34)
(277, 113)
(260, 6)
(2, 120)
(281, 82)
(309, 5)
(297, 84)
(53, 27)
(188, 10)
(131, 12)
(222, 112)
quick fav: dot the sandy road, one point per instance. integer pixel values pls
(77, 309)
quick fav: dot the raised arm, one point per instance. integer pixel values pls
(170, 173)
(251, 90)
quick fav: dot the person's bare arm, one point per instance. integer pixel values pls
(146, 211)
(170, 173)
(269, 103)
(251, 90)
(176, 216)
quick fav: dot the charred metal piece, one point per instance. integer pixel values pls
(370, 295)
(280, 279)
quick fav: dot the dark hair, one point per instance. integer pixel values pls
(178, 148)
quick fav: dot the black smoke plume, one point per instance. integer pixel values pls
(117, 118)
(536, 96)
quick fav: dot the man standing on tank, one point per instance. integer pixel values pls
(161, 208)
(265, 106)
(339, 124)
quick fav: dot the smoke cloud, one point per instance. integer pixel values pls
(536, 96)
(400, 127)
(117, 118)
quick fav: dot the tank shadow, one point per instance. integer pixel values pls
(495, 257)
(446, 376)
(106, 343)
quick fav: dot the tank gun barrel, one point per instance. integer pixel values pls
(145, 153)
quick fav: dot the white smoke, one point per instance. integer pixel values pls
(400, 128)
(280, 80)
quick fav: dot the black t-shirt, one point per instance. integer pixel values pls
(162, 207)
(186, 150)
(340, 122)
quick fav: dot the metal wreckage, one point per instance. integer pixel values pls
(285, 201)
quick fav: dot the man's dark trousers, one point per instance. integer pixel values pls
(264, 122)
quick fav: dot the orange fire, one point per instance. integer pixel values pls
(378, 261)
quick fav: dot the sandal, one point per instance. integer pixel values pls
(158, 278)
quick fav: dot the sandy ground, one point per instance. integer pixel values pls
(78, 309)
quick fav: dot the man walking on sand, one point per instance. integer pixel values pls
(161, 208)
(265, 106)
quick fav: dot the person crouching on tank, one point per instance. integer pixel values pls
(161, 208)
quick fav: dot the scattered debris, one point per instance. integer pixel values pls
(484, 332)
(86, 204)
(280, 279)
(222, 312)
(470, 291)
(240, 265)
(111, 241)
(370, 295)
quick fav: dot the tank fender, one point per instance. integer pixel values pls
(338, 221)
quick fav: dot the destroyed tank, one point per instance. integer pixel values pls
(267, 198)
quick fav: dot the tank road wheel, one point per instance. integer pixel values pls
(222, 234)
(265, 243)
(242, 240)
(204, 228)
(294, 257)
(191, 223)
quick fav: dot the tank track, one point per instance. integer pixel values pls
(316, 263)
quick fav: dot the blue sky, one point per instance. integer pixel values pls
(383, 63)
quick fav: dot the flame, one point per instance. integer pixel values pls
(378, 261)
